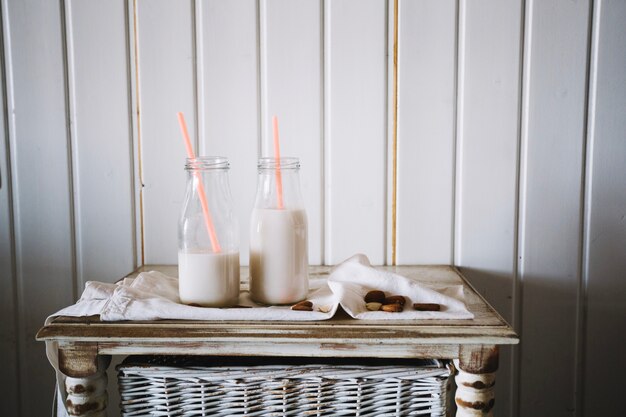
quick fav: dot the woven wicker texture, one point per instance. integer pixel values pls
(308, 390)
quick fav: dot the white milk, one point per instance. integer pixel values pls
(208, 279)
(279, 257)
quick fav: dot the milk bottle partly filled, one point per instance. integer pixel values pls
(208, 279)
(278, 235)
(208, 237)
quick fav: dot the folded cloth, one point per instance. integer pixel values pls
(355, 277)
(154, 295)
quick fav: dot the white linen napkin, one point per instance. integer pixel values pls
(153, 295)
(355, 277)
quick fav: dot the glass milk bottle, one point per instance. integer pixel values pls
(279, 257)
(208, 236)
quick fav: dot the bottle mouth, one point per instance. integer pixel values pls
(287, 162)
(207, 163)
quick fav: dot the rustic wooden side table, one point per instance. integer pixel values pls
(86, 343)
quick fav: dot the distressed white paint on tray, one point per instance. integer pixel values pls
(166, 86)
(98, 74)
(41, 182)
(550, 211)
(488, 119)
(9, 385)
(605, 234)
(355, 90)
(427, 56)
(228, 110)
(291, 88)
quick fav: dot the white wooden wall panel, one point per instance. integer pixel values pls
(166, 77)
(426, 94)
(605, 235)
(41, 183)
(8, 330)
(227, 47)
(487, 154)
(487, 130)
(291, 88)
(355, 91)
(101, 139)
(550, 215)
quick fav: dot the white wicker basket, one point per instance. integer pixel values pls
(300, 390)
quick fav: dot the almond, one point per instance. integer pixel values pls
(324, 309)
(374, 296)
(395, 299)
(303, 306)
(392, 308)
(373, 306)
(426, 307)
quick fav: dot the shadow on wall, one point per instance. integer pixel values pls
(547, 324)
(497, 288)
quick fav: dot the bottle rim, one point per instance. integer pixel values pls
(286, 162)
(206, 163)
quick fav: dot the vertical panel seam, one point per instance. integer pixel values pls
(261, 11)
(74, 229)
(587, 185)
(394, 171)
(458, 140)
(131, 150)
(516, 307)
(194, 65)
(327, 121)
(5, 44)
(259, 83)
(201, 130)
(455, 93)
(138, 113)
(522, 189)
(389, 125)
(323, 134)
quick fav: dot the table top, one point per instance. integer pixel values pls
(341, 336)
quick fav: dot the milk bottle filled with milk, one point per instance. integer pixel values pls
(278, 235)
(208, 236)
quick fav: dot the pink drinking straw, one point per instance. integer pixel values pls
(279, 177)
(205, 207)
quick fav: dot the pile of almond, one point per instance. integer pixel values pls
(376, 300)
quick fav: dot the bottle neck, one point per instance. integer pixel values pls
(279, 184)
(207, 213)
(207, 163)
(283, 164)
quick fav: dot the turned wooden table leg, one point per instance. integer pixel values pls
(475, 380)
(86, 379)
